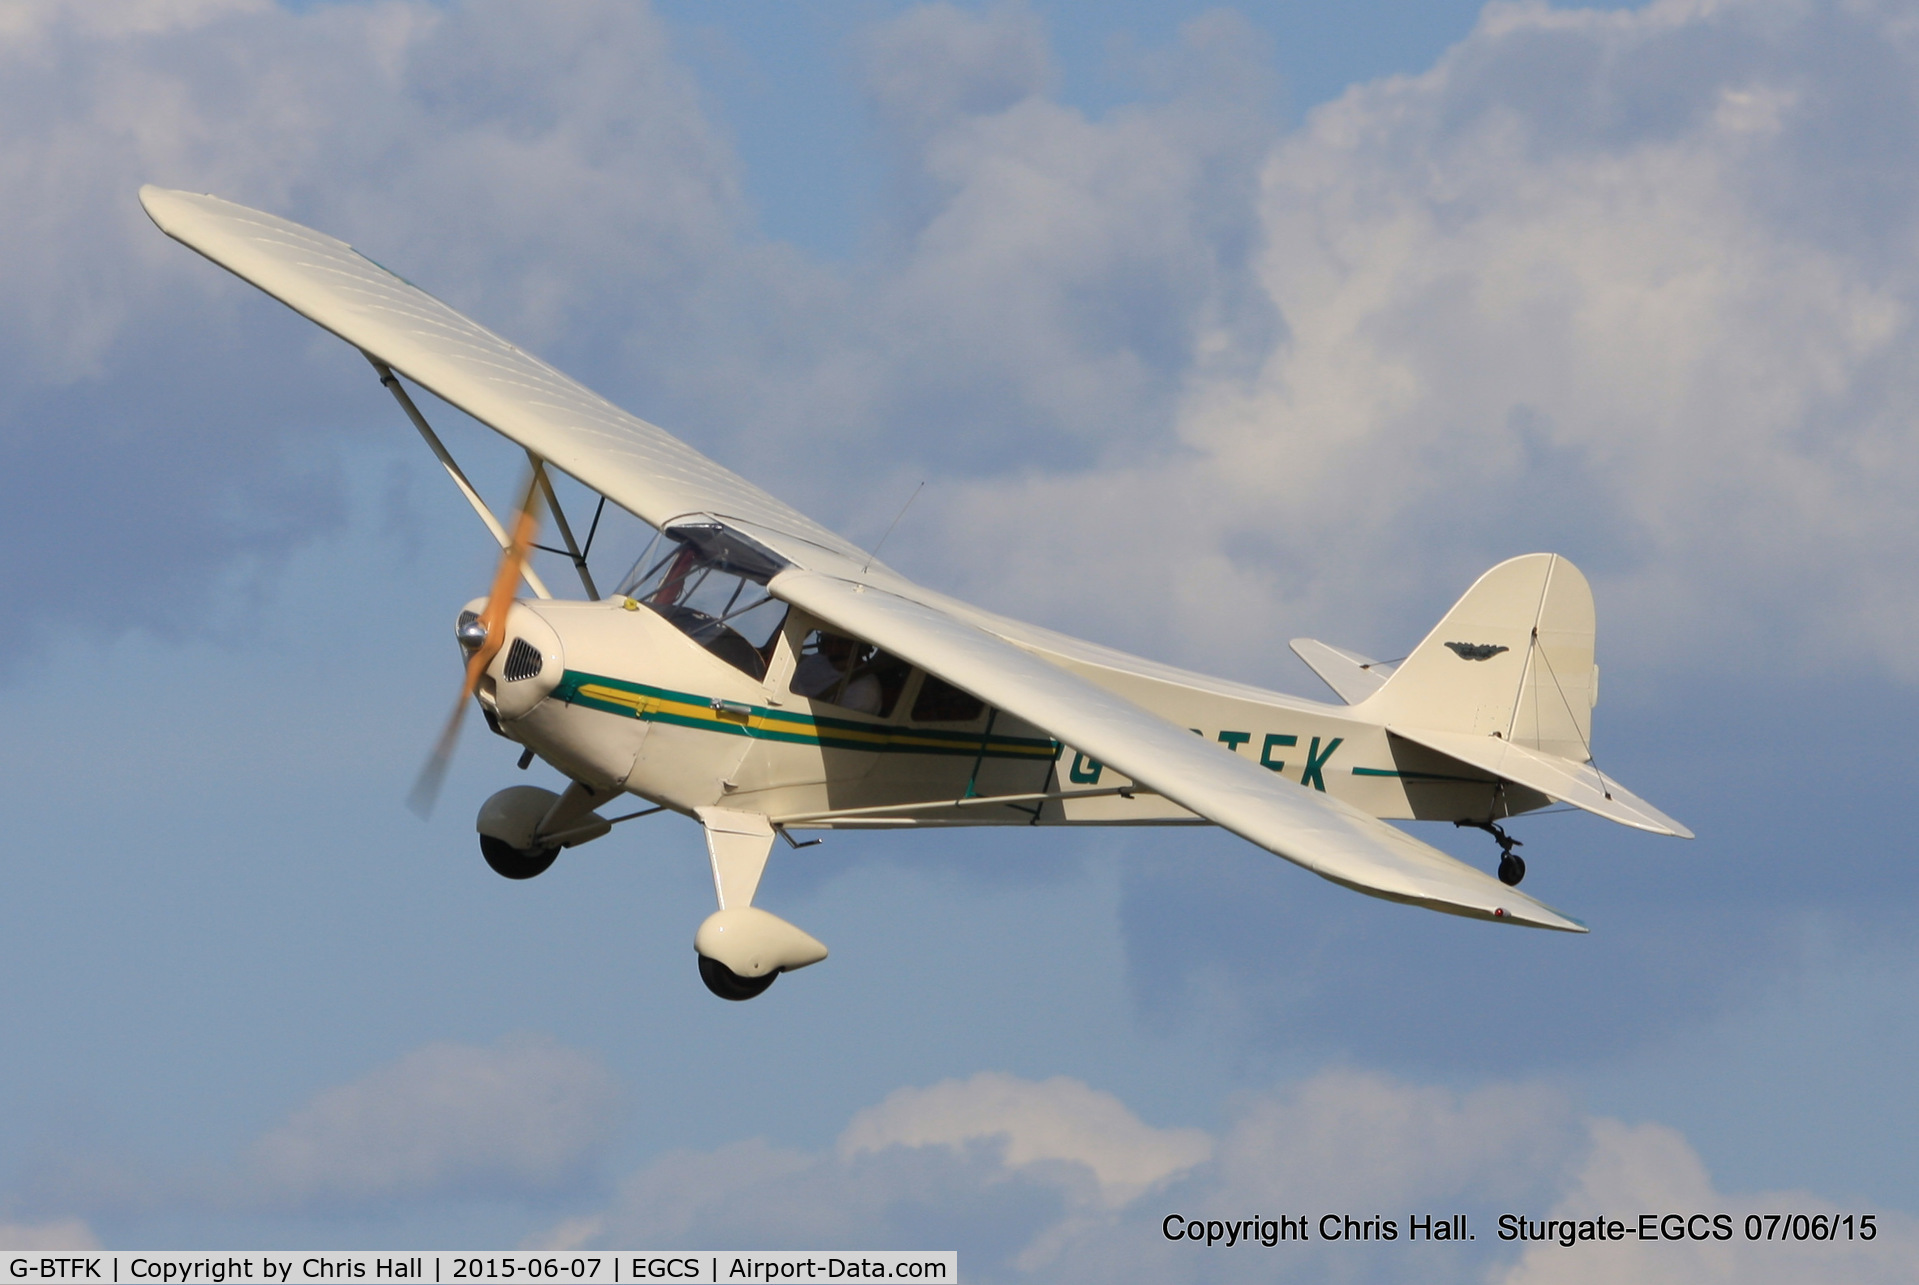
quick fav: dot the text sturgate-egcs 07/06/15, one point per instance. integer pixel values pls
(1670, 1227)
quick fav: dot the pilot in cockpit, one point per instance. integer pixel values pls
(822, 674)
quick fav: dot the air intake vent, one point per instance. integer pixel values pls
(523, 660)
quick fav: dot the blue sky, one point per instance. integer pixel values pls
(1207, 329)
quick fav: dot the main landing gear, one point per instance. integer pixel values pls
(1512, 866)
(742, 948)
(523, 828)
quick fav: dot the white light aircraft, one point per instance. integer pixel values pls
(763, 675)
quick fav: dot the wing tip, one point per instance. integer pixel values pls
(1513, 907)
(1559, 924)
(1662, 825)
(1535, 914)
(163, 204)
(168, 205)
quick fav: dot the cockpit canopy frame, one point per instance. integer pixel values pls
(709, 580)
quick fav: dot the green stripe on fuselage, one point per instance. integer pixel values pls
(686, 709)
(1420, 776)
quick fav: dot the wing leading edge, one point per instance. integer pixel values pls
(1329, 837)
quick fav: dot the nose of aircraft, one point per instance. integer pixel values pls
(525, 669)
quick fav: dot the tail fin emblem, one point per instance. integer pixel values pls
(1476, 651)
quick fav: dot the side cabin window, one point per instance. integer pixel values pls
(710, 583)
(848, 673)
(941, 702)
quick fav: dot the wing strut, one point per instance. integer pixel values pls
(440, 453)
(970, 801)
(573, 550)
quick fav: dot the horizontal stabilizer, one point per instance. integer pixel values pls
(1579, 784)
(1352, 676)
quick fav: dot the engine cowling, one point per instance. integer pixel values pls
(528, 665)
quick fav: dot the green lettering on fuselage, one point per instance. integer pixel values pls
(1315, 761)
(1275, 740)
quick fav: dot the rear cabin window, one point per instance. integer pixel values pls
(941, 702)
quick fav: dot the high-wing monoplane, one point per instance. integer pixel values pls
(763, 675)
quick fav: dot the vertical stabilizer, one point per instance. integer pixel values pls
(1513, 658)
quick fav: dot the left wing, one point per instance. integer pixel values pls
(640, 467)
(1327, 836)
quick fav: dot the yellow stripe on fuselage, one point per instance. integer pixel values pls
(804, 729)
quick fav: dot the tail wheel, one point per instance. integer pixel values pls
(1512, 866)
(510, 862)
(727, 984)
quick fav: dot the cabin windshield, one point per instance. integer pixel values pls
(710, 582)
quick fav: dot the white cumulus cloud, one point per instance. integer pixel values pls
(1058, 1120)
(998, 1166)
(1637, 286)
(525, 1116)
(550, 168)
(1633, 285)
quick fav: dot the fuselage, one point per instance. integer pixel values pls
(620, 697)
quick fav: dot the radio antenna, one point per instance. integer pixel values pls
(889, 530)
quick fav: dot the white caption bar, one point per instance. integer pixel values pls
(629, 1267)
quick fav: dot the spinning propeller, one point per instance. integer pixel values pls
(489, 632)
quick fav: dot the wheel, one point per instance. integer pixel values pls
(727, 984)
(512, 863)
(1511, 870)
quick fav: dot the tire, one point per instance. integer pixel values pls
(727, 984)
(510, 862)
(1511, 870)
